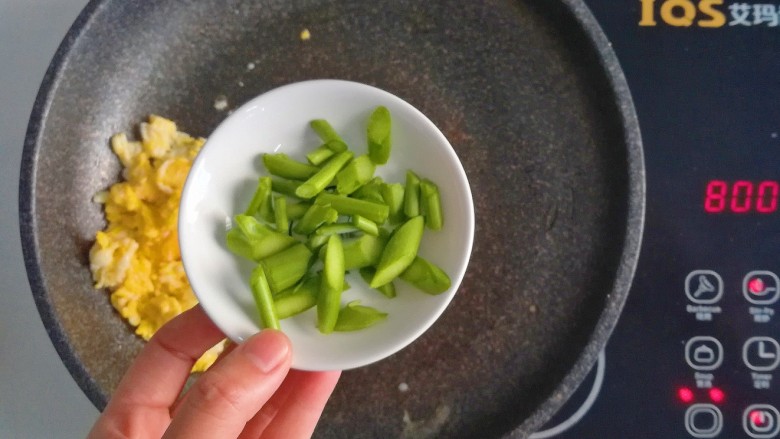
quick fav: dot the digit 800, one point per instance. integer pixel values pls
(741, 196)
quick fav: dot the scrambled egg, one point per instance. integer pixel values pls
(137, 256)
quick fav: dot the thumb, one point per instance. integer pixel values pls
(229, 394)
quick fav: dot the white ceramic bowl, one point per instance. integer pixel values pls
(223, 179)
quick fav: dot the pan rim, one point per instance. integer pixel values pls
(27, 210)
(634, 226)
(605, 323)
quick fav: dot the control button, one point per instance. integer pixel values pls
(703, 420)
(704, 287)
(761, 421)
(761, 354)
(704, 353)
(761, 287)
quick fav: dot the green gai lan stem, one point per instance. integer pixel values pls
(297, 299)
(378, 133)
(376, 212)
(319, 181)
(255, 241)
(317, 215)
(426, 276)
(285, 187)
(355, 316)
(263, 298)
(393, 196)
(326, 132)
(399, 252)
(412, 195)
(318, 156)
(261, 200)
(431, 202)
(365, 225)
(286, 268)
(280, 214)
(281, 165)
(388, 289)
(331, 286)
(357, 173)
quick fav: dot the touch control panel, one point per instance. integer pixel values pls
(734, 351)
(695, 353)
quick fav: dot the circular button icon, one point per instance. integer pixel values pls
(703, 287)
(761, 421)
(761, 287)
(703, 420)
(761, 354)
(704, 353)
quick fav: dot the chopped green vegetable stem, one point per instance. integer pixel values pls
(325, 131)
(355, 316)
(357, 173)
(378, 133)
(399, 252)
(297, 299)
(332, 284)
(412, 195)
(297, 210)
(318, 156)
(365, 225)
(261, 199)
(319, 181)
(286, 268)
(371, 191)
(432, 204)
(364, 251)
(317, 215)
(286, 187)
(426, 276)
(393, 196)
(255, 241)
(263, 298)
(281, 165)
(280, 215)
(388, 289)
(339, 228)
(376, 212)
(336, 145)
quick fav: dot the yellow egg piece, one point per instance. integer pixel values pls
(136, 257)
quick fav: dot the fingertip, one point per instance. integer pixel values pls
(268, 350)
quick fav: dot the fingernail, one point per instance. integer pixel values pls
(268, 349)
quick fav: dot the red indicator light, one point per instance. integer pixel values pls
(758, 418)
(685, 394)
(756, 285)
(717, 395)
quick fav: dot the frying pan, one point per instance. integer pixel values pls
(528, 92)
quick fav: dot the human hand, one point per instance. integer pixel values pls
(250, 392)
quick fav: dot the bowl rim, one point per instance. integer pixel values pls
(245, 111)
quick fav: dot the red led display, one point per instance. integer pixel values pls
(741, 196)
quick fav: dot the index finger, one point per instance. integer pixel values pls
(158, 374)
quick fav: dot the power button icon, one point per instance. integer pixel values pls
(761, 421)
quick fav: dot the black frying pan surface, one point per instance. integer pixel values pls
(529, 94)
